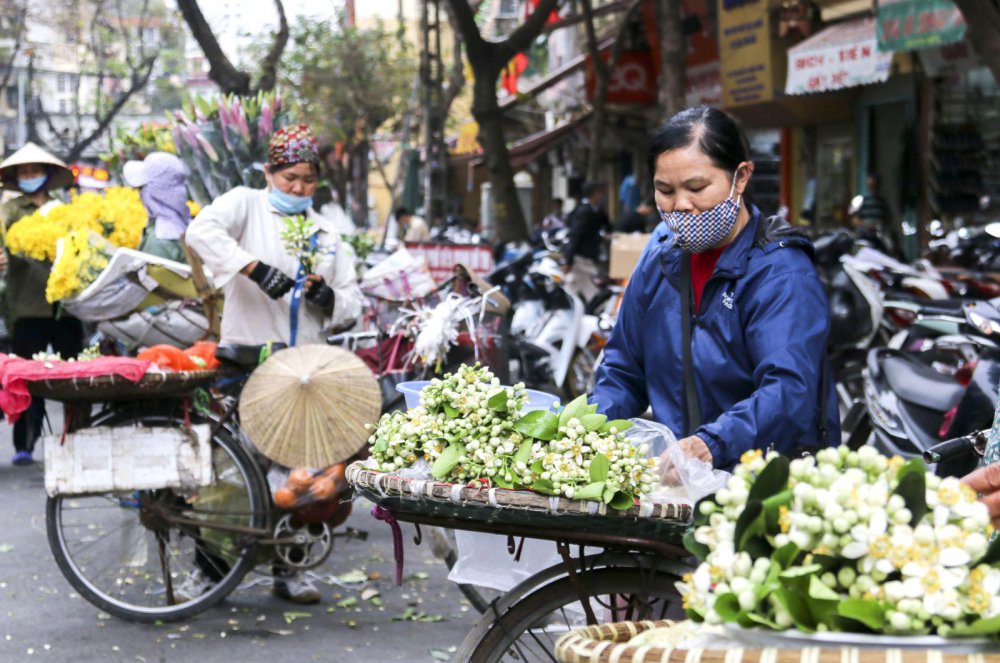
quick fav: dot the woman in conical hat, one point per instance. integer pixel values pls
(36, 174)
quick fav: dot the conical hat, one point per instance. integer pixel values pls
(307, 406)
(60, 178)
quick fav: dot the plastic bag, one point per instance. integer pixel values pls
(694, 478)
(296, 488)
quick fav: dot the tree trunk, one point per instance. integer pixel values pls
(673, 54)
(511, 225)
(359, 181)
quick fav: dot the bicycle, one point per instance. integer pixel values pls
(632, 577)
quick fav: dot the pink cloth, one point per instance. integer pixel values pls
(16, 373)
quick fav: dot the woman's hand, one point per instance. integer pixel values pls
(986, 482)
(692, 447)
(318, 292)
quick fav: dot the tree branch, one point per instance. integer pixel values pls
(140, 77)
(465, 22)
(268, 76)
(526, 33)
(22, 15)
(456, 77)
(221, 70)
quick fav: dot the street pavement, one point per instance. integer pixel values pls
(43, 619)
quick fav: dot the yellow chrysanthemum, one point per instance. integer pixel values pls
(77, 266)
(194, 208)
(118, 215)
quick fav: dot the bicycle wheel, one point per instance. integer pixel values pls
(529, 629)
(125, 554)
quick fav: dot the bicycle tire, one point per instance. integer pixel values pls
(244, 561)
(508, 628)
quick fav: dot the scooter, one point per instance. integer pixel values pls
(913, 406)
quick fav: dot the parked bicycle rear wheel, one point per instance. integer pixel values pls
(528, 629)
(122, 552)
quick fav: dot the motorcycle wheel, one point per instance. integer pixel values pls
(580, 377)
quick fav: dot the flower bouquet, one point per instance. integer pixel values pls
(297, 236)
(469, 428)
(224, 142)
(117, 214)
(848, 541)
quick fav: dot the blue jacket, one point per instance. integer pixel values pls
(759, 346)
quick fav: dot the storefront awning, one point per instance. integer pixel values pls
(841, 56)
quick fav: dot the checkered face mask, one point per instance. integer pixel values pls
(700, 232)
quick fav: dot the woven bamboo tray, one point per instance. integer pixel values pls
(606, 643)
(665, 522)
(115, 387)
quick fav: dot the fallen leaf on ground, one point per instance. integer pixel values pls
(292, 616)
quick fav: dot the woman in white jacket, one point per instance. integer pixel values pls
(268, 298)
(238, 238)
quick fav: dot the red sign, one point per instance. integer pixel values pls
(442, 258)
(632, 82)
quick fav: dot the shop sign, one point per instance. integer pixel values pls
(841, 56)
(442, 258)
(633, 80)
(745, 52)
(908, 25)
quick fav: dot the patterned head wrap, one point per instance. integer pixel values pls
(293, 144)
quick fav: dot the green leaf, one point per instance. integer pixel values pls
(750, 523)
(523, 454)
(537, 467)
(772, 509)
(576, 409)
(498, 400)
(699, 550)
(593, 422)
(913, 465)
(451, 412)
(794, 602)
(599, 468)
(609, 494)
(913, 489)
(984, 626)
(699, 517)
(772, 480)
(447, 461)
(801, 571)
(992, 554)
(819, 590)
(591, 409)
(621, 501)
(592, 491)
(620, 425)
(543, 486)
(785, 556)
(763, 621)
(539, 424)
(728, 607)
(869, 613)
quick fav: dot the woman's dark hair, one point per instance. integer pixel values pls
(280, 167)
(717, 134)
(401, 212)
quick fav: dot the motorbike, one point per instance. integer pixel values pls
(912, 404)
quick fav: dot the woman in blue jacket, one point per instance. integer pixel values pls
(739, 292)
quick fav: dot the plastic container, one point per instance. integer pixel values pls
(537, 400)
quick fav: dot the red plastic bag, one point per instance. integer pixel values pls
(204, 350)
(169, 357)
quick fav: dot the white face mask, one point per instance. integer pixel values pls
(697, 233)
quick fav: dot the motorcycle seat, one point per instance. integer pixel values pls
(921, 385)
(245, 357)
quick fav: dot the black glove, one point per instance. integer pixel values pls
(320, 295)
(271, 280)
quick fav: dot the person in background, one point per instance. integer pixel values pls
(873, 218)
(638, 220)
(34, 322)
(553, 221)
(325, 202)
(238, 237)
(582, 252)
(410, 227)
(628, 194)
(162, 182)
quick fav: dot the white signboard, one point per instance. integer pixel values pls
(841, 56)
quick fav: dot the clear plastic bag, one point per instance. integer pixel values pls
(693, 478)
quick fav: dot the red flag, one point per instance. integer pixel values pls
(513, 71)
(531, 5)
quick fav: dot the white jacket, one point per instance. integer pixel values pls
(241, 226)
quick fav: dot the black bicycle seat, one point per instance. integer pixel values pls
(246, 357)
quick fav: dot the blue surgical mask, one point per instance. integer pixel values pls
(32, 184)
(287, 203)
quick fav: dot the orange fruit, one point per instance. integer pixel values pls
(300, 479)
(335, 472)
(323, 488)
(285, 498)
